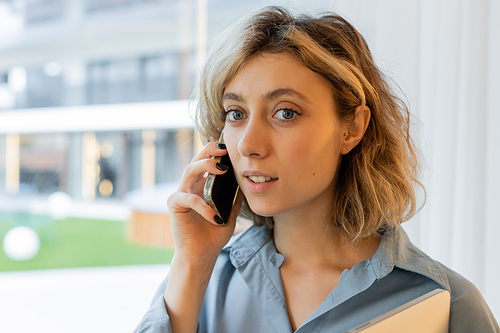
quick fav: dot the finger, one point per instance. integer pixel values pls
(182, 202)
(194, 172)
(209, 150)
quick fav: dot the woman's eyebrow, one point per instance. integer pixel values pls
(283, 92)
(233, 97)
(268, 96)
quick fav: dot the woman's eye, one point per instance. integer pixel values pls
(234, 115)
(286, 114)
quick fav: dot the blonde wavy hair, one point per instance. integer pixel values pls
(375, 181)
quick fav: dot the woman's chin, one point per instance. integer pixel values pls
(264, 209)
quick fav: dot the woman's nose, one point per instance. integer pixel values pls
(253, 143)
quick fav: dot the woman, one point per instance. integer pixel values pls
(321, 151)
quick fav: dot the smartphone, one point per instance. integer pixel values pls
(220, 190)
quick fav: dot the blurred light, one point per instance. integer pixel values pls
(21, 243)
(106, 188)
(52, 69)
(59, 205)
(18, 78)
(88, 165)
(6, 99)
(106, 149)
(9, 22)
(12, 163)
(97, 151)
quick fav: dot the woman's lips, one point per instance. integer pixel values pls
(250, 173)
(260, 179)
(259, 187)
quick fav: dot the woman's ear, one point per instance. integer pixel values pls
(354, 132)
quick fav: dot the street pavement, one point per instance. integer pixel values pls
(77, 300)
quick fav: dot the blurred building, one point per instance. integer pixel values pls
(93, 95)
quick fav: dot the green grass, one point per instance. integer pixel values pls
(83, 243)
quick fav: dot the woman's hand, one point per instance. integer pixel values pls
(198, 240)
(196, 233)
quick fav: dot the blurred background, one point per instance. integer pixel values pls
(96, 129)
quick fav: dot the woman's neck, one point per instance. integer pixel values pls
(309, 241)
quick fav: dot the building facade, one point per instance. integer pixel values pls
(108, 60)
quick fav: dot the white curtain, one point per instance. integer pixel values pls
(445, 56)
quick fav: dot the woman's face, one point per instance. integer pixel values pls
(282, 135)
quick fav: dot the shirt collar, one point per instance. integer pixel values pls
(245, 245)
(395, 250)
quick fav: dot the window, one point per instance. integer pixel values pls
(141, 79)
(43, 163)
(43, 11)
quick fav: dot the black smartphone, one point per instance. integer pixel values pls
(220, 190)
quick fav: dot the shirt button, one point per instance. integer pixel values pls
(237, 253)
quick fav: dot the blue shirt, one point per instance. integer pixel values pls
(245, 293)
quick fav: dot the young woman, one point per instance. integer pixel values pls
(321, 151)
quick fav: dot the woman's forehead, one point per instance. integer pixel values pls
(274, 75)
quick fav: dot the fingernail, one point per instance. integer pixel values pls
(221, 146)
(221, 166)
(218, 219)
